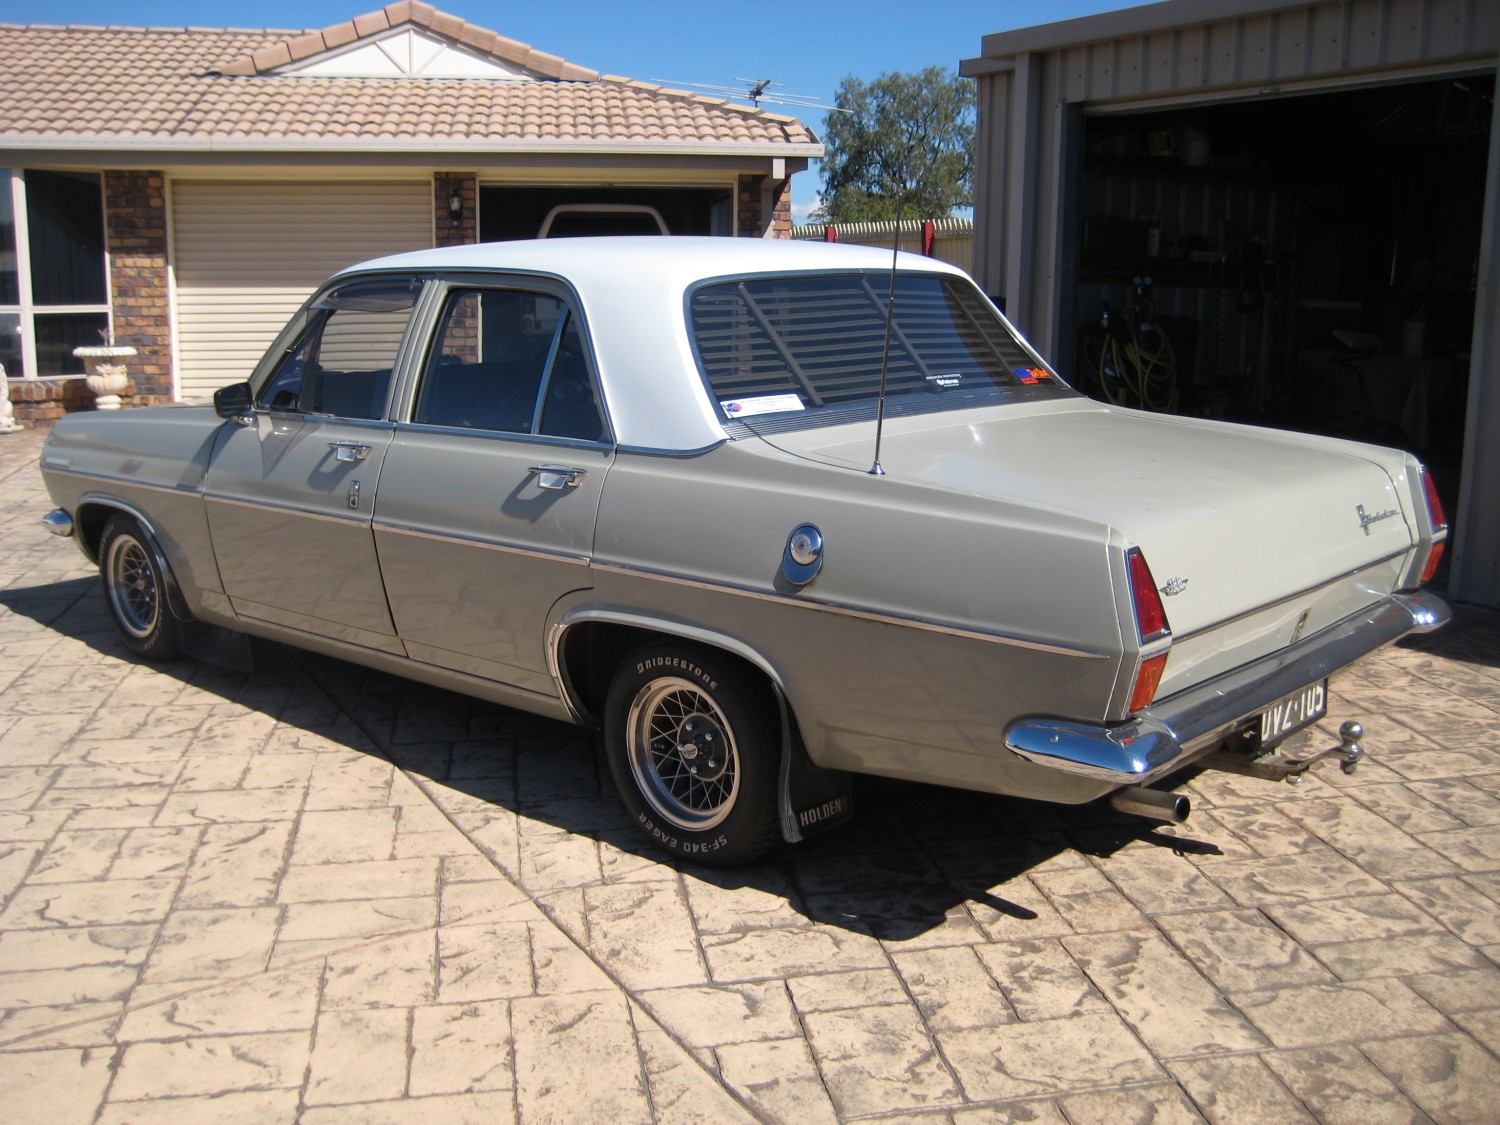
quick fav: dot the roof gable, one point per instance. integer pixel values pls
(408, 52)
(402, 35)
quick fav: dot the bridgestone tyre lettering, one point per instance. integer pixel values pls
(693, 741)
(135, 591)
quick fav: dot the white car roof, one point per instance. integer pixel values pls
(631, 290)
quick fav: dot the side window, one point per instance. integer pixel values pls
(512, 361)
(342, 363)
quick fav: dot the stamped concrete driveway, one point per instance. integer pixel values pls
(313, 893)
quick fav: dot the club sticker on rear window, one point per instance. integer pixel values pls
(763, 404)
(1031, 374)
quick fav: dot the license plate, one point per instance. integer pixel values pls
(1287, 716)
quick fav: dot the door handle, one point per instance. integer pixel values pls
(558, 476)
(349, 450)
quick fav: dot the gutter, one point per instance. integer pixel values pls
(400, 146)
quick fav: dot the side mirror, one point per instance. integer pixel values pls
(234, 401)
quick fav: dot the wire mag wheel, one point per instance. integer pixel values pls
(683, 754)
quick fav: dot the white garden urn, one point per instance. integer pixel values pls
(8, 423)
(104, 373)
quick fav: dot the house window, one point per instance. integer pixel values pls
(54, 288)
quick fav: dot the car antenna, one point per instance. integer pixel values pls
(877, 469)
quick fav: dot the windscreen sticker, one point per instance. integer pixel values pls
(947, 379)
(1031, 374)
(765, 404)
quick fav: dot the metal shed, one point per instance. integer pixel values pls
(1311, 194)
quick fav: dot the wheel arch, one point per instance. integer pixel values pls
(588, 645)
(94, 511)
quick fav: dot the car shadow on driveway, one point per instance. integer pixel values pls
(914, 857)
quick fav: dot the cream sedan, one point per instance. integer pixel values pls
(768, 514)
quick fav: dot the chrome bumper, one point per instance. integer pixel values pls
(58, 522)
(1171, 733)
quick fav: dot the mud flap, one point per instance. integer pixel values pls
(811, 799)
(211, 644)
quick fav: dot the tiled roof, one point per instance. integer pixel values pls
(204, 87)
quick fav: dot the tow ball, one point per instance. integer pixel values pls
(1275, 767)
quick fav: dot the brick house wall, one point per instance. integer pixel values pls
(445, 184)
(753, 220)
(135, 205)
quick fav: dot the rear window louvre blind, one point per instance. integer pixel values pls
(820, 338)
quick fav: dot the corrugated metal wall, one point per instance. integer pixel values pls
(1036, 85)
(1030, 84)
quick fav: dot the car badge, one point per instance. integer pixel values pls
(1174, 586)
(1367, 518)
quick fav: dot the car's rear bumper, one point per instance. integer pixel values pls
(1174, 731)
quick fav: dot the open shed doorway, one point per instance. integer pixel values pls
(1308, 262)
(507, 213)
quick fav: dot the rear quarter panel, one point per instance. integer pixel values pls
(936, 618)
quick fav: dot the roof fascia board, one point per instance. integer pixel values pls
(15, 145)
(1143, 20)
(739, 161)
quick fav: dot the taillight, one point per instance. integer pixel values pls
(1150, 616)
(1147, 680)
(1439, 522)
(1150, 624)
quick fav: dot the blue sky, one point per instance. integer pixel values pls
(807, 45)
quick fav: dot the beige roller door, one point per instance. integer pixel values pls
(248, 253)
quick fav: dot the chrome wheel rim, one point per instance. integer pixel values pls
(683, 754)
(133, 592)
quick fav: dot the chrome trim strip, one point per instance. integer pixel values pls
(1172, 732)
(471, 541)
(289, 509)
(841, 610)
(652, 451)
(499, 435)
(111, 478)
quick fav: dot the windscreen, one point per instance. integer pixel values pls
(792, 344)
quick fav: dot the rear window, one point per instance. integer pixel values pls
(779, 348)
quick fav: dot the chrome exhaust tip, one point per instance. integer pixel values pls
(1153, 804)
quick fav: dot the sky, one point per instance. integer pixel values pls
(808, 46)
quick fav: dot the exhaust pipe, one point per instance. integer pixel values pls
(1153, 804)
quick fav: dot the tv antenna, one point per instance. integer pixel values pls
(755, 91)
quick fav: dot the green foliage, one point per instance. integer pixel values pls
(905, 148)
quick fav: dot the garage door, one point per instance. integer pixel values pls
(247, 254)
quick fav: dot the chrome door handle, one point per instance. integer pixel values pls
(349, 450)
(558, 476)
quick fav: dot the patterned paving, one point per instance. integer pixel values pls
(320, 894)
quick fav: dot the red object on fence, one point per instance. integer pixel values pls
(929, 235)
(830, 233)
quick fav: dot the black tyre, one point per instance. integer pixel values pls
(135, 590)
(693, 741)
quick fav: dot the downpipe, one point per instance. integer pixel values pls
(1153, 804)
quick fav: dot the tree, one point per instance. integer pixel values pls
(903, 148)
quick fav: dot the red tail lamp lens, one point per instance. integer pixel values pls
(1434, 505)
(1150, 617)
(1439, 521)
(1151, 623)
